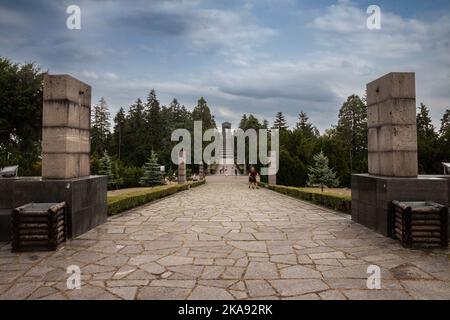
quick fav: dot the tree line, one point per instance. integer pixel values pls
(129, 138)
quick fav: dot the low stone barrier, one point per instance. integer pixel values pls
(120, 203)
(342, 204)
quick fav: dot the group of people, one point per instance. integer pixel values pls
(252, 175)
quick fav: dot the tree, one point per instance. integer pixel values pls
(321, 174)
(305, 127)
(21, 115)
(352, 131)
(280, 122)
(134, 139)
(119, 126)
(445, 123)
(100, 128)
(152, 172)
(154, 124)
(427, 142)
(202, 113)
(444, 138)
(105, 169)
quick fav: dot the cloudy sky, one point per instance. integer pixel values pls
(243, 56)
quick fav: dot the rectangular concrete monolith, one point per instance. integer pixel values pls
(182, 167)
(392, 130)
(66, 124)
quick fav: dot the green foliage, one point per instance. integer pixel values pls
(280, 122)
(444, 138)
(20, 116)
(125, 201)
(152, 172)
(321, 173)
(202, 113)
(100, 128)
(352, 131)
(427, 142)
(110, 169)
(334, 202)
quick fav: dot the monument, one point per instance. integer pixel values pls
(226, 153)
(182, 167)
(65, 162)
(392, 159)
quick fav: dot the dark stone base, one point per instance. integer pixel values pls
(85, 198)
(372, 197)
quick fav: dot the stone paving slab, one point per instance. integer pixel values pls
(225, 241)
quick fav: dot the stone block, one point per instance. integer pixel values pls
(372, 139)
(272, 179)
(396, 138)
(60, 113)
(85, 117)
(60, 165)
(372, 116)
(61, 140)
(85, 165)
(396, 112)
(394, 85)
(66, 88)
(398, 164)
(405, 164)
(374, 163)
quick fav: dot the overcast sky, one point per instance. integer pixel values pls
(243, 56)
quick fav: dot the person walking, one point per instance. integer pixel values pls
(252, 178)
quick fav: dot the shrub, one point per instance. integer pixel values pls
(122, 202)
(335, 202)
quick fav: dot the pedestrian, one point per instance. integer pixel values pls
(252, 178)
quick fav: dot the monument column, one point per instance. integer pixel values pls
(182, 167)
(66, 128)
(392, 158)
(392, 132)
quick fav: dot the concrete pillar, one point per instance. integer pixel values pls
(392, 130)
(272, 170)
(66, 128)
(182, 167)
(201, 172)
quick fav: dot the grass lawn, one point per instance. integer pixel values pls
(112, 194)
(340, 192)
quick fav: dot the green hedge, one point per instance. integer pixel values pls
(120, 203)
(335, 202)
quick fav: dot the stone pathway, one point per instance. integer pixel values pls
(225, 241)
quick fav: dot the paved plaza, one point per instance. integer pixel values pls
(225, 241)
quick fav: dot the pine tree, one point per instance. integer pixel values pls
(243, 122)
(305, 127)
(202, 113)
(445, 124)
(100, 127)
(352, 131)
(152, 172)
(154, 124)
(117, 137)
(427, 140)
(134, 139)
(280, 122)
(105, 169)
(320, 173)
